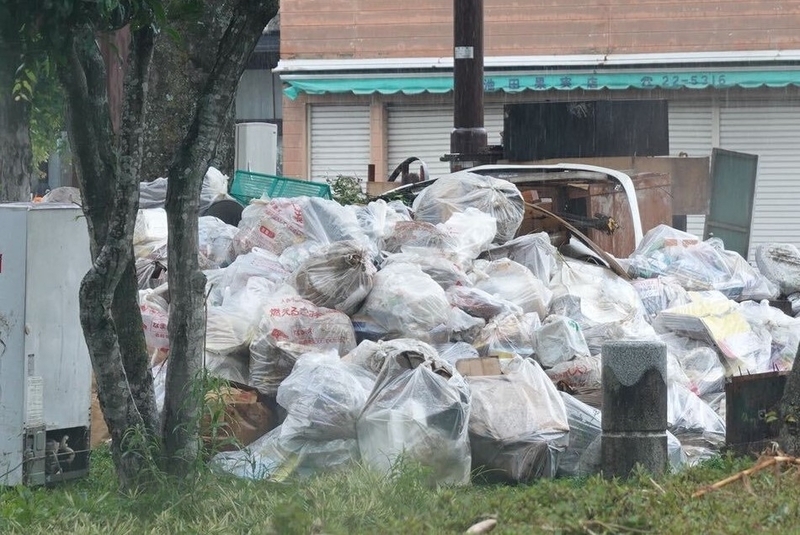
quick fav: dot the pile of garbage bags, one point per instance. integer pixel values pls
(435, 334)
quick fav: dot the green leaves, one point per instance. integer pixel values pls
(24, 83)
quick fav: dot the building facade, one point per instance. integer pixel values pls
(370, 81)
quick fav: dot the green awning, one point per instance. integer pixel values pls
(413, 84)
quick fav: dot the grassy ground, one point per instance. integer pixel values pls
(360, 502)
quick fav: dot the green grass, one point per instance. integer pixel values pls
(361, 502)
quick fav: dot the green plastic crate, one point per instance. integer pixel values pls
(247, 186)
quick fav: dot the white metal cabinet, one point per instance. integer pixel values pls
(45, 372)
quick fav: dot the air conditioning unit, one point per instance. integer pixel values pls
(257, 147)
(45, 371)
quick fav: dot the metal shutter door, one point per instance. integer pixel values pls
(339, 141)
(690, 131)
(772, 131)
(424, 132)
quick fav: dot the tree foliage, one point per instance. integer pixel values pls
(108, 153)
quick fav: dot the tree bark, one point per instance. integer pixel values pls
(789, 437)
(180, 70)
(108, 176)
(16, 158)
(186, 281)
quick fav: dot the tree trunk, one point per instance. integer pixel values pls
(186, 281)
(180, 70)
(108, 176)
(16, 158)
(790, 411)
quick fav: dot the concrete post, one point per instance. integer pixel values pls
(634, 376)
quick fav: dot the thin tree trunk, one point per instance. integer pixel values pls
(186, 281)
(126, 307)
(110, 200)
(16, 158)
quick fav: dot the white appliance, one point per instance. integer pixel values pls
(45, 371)
(257, 147)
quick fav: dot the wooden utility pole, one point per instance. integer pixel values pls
(468, 137)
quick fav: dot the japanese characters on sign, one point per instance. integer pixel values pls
(556, 80)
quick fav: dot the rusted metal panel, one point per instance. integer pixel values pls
(749, 400)
(691, 183)
(653, 193)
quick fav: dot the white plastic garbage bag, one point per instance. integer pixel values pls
(513, 282)
(472, 232)
(784, 332)
(272, 225)
(323, 397)
(605, 306)
(462, 327)
(155, 318)
(419, 410)
(153, 194)
(578, 373)
(479, 303)
(780, 263)
(292, 326)
(418, 234)
(378, 219)
(404, 302)
(150, 234)
(660, 294)
(697, 265)
(518, 424)
(215, 246)
(372, 355)
(339, 276)
(442, 267)
(257, 263)
(215, 188)
(275, 456)
(508, 335)
(458, 191)
(687, 414)
(534, 251)
(558, 340)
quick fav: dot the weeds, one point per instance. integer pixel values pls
(360, 501)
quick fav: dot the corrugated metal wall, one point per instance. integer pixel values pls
(772, 131)
(340, 141)
(691, 132)
(424, 131)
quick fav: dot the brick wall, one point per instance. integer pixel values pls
(423, 28)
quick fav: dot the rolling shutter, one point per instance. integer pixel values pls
(340, 142)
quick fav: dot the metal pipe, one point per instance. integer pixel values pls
(468, 137)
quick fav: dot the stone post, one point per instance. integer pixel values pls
(634, 420)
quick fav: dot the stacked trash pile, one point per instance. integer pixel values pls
(433, 333)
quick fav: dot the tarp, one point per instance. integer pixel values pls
(412, 84)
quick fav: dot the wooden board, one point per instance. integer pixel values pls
(691, 182)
